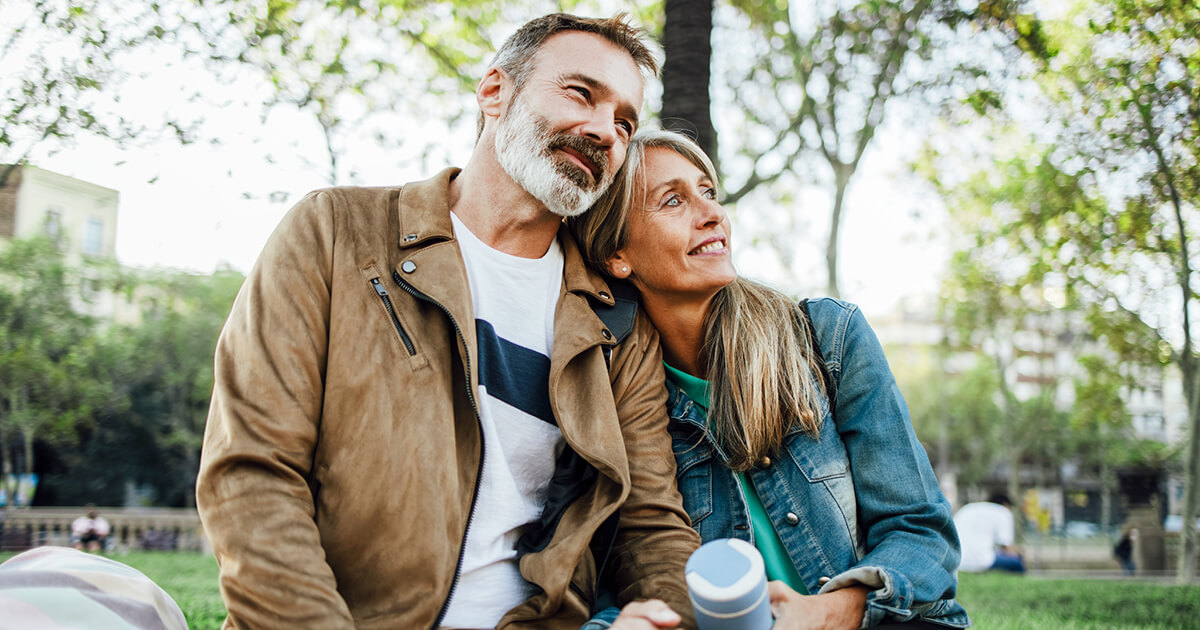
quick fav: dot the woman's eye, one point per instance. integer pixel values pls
(672, 201)
(710, 193)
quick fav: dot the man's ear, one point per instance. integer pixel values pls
(618, 266)
(493, 92)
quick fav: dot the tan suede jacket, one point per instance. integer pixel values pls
(342, 449)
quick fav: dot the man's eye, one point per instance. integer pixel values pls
(582, 91)
(626, 126)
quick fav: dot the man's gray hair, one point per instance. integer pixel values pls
(516, 56)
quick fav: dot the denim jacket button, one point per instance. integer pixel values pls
(765, 462)
(791, 518)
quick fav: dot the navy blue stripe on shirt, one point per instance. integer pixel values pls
(514, 374)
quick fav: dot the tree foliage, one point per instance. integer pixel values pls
(93, 405)
(1102, 201)
(805, 87)
(46, 384)
(63, 65)
(367, 70)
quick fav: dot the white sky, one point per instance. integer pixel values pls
(187, 206)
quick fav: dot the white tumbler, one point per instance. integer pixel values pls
(727, 582)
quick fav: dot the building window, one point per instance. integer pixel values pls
(54, 226)
(93, 238)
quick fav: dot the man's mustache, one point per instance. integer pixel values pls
(584, 147)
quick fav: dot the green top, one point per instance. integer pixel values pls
(779, 566)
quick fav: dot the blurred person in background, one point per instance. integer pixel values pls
(987, 532)
(1123, 551)
(90, 531)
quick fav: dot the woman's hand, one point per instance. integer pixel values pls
(651, 614)
(836, 610)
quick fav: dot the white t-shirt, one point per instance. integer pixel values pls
(83, 525)
(514, 300)
(982, 526)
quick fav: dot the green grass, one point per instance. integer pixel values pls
(1012, 602)
(994, 601)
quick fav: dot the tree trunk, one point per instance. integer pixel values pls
(1191, 489)
(1106, 493)
(6, 469)
(687, 44)
(841, 174)
(1013, 491)
(1191, 389)
(327, 129)
(28, 437)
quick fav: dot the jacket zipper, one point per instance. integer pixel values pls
(482, 451)
(391, 311)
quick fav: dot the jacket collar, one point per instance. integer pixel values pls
(681, 407)
(423, 213)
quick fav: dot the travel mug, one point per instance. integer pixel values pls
(727, 583)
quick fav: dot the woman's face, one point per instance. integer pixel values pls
(678, 235)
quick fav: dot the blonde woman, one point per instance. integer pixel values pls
(787, 425)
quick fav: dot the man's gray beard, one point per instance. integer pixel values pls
(523, 150)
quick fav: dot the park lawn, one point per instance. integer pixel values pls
(998, 601)
(994, 601)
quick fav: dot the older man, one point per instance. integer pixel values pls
(419, 419)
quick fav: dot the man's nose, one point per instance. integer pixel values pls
(601, 128)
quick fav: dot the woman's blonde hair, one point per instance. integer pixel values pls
(763, 376)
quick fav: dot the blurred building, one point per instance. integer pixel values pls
(79, 216)
(1040, 358)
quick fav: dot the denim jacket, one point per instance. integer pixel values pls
(857, 504)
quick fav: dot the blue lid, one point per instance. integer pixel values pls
(726, 575)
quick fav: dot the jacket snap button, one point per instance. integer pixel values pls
(607, 335)
(603, 295)
(409, 266)
(792, 519)
(410, 238)
(765, 462)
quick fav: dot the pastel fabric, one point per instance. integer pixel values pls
(859, 504)
(53, 588)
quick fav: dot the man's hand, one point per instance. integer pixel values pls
(651, 614)
(837, 610)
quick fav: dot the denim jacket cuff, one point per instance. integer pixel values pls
(891, 597)
(603, 619)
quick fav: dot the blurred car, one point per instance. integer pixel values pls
(1174, 523)
(1081, 529)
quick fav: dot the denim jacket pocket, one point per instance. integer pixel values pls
(820, 459)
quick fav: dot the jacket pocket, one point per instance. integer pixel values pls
(384, 300)
(822, 459)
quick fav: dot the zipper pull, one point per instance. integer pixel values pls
(379, 287)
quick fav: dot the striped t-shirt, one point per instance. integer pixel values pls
(514, 300)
